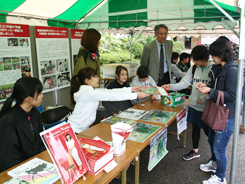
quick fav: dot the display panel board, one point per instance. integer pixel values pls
(53, 55)
(15, 56)
(76, 35)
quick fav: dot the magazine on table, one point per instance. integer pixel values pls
(65, 151)
(35, 171)
(142, 131)
(97, 152)
(130, 113)
(155, 90)
(114, 120)
(158, 116)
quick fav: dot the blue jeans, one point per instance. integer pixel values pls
(218, 141)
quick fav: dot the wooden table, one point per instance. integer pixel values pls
(100, 178)
(133, 148)
(103, 130)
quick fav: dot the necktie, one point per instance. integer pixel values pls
(161, 68)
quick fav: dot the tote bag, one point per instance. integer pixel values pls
(214, 114)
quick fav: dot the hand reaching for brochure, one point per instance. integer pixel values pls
(141, 95)
(136, 89)
(166, 86)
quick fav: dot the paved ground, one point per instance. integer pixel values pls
(174, 170)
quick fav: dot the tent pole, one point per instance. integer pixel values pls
(238, 96)
(131, 42)
(223, 11)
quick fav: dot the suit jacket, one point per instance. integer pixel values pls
(150, 58)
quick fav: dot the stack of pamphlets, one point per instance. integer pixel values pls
(97, 152)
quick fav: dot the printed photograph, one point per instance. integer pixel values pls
(15, 59)
(62, 65)
(16, 66)
(49, 82)
(7, 66)
(5, 91)
(1, 64)
(12, 42)
(63, 79)
(25, 68)
(28, 74)
(7, 60)
(23, 42)
(24, 60)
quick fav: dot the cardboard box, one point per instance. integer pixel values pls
(110, 69)
(174, 99)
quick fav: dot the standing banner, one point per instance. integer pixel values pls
(181, 121)
(15, 56)
(158, 148)
(76, 35)
(53, 55)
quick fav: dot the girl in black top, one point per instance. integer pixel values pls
(113, 108)
(20, 125)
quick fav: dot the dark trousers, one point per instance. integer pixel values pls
(164, 80)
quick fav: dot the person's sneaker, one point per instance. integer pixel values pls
(211, 166)
(214, 180)
(191, 155)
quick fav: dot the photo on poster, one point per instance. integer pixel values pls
(25, 68)
(12, 42)
(15, 59)
(1, 64)
(7, 67)
(49, 82)
(23, 42)
(63, 79)
(24, 60)
(5, 91)
(16, 66)
(7, 60)
(62, 65)
(51, 66)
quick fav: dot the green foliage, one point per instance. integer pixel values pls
(117, 50)
(115, 57)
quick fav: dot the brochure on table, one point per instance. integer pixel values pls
(158, 148)
(158, 116)
(36, 171)
(181, 121)
(76, 35)
(15, 56)
(114, 120)
(65, 151)
(97, 152)
(132, 114)
(53, 55)
(142, 131)
(154, 90)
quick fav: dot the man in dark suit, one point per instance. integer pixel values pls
(157, 56)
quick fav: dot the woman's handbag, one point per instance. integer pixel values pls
(214, 114)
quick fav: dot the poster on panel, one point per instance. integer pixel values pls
(76, 35)
(53, 55)
(15, 56)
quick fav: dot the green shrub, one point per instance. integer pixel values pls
(115, 57)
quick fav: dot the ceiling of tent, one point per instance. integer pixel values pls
(116, 14)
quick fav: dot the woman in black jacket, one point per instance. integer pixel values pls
(20, 125)
(223, 78)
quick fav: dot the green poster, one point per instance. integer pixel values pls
(142, 131)
(158, 148)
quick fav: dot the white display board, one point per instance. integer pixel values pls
(76, 35)
(53, 55)
(15, 56)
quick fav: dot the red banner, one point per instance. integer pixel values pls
(76, 33)
(51, 32)
(14, 30)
